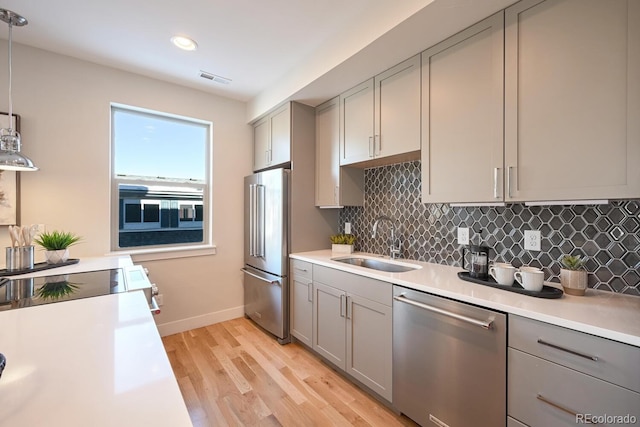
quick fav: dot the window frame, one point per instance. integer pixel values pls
(177, 250)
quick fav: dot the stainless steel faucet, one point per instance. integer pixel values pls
(394, 251)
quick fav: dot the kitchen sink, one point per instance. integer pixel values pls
(379, 264)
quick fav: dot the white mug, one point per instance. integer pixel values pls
(500, 264)
(503, 274)
(529, 268)
(530, 280)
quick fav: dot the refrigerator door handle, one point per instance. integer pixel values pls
(271, 282)
(260, 217)
(252, 219)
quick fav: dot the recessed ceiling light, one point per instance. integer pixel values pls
(184, 43)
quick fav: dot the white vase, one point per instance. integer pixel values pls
(574, 282)
(341, 249)
(57, 257)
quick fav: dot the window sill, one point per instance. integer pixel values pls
(154, 254)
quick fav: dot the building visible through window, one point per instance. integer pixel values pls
(160, 179)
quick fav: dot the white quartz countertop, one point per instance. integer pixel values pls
(606, 314)
(84, 264)
(92, 362)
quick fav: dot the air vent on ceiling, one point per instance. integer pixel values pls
(214, 77)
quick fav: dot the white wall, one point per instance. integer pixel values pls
(64, 105)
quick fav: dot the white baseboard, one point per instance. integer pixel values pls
(178, 326)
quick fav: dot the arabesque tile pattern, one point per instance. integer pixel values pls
(607, 235)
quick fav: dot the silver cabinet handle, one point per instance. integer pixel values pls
(271, 282)
(379, 144)
(342, 305)
(370, 146)
(485, 324)
(310, 292)
(301, 269)
(509, 181)
(560, 407)
(568, 350)
(349, 307)
(495, 183)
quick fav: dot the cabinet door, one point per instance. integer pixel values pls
(329, 323)
(572, 99)
(280, 135)
(356, 124)
(397, 109)
(302, 309)
(544, 394)
(261, 144)
(327, 153)
(369, 344)
(462, 116)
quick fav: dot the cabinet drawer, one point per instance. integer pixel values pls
(616, 362)
(538, 389)
(301, 269)
(375, 290)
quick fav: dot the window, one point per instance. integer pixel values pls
(161, 180)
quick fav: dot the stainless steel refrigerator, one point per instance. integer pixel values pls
(266, 237)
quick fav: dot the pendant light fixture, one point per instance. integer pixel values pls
(10, 143)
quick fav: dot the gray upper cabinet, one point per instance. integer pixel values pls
(356, 124)
(272, 139)
(335, 186)
(462, 116)
(380, 118)
(572, 100)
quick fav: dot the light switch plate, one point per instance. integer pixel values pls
(532, 240)
(463, 235)
(347, 228)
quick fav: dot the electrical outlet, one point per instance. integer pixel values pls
(463, 235)
(532, 240)
(347, 228)
(159, 300)
(41, 228)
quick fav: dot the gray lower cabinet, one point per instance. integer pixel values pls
(352, 326)
(561, 377)
(301, 298)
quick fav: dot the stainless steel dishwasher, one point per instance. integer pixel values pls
(449, 361)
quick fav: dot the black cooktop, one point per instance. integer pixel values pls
(22, 292)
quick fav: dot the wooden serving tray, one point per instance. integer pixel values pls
(547, 291)
(37, 267)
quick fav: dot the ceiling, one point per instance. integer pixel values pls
(270, 49)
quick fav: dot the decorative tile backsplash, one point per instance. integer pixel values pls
(608, 235)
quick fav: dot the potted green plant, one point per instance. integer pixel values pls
(573, 276)
(56, 244)
(342, 243)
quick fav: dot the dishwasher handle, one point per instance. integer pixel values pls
(485, 324)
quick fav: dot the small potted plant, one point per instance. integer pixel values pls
(573, 276)
(342, 243)
(56, 244)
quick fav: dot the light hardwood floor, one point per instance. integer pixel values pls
(232, 373)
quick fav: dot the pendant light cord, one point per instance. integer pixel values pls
(10, 80)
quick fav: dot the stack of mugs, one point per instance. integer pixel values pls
(530, 278)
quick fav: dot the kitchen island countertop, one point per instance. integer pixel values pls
(91, 362)
(606, 314)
